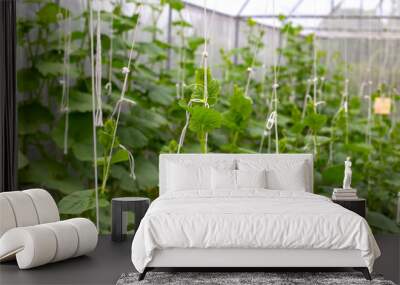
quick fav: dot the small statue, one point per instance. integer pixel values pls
(347, 174)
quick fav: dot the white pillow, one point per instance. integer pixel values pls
(281, 174)
(251, 178)
(183, 177)
(227, 179)
(223, 179)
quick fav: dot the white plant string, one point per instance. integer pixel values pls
(65, 82)
(98, 70)
(108, 86)
(272, 119)
(307, 97)
(369, 83)
(184, 129)
(264, 95)
(60, 17)
(125, 71)
(315, 76)
(94, 114)
(131, 162)
(205, 85)
(205, 66)
(250, 71)
(394, 111)
(180, 85)
(346, 93)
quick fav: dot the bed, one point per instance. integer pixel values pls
(245, 211)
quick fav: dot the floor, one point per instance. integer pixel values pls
(103, 266)
(110, 260)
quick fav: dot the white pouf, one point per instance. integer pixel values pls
(31, 232)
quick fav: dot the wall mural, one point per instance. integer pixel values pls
(297, 105)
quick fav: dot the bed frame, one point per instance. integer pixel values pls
(246, 258)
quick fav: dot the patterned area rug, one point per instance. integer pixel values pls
(243, 278)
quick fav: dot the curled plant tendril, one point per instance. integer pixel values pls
(108, 86)
(271, 120)
(120, 102)
(131, 162)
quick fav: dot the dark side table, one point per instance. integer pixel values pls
(357, 205)
(119, 209)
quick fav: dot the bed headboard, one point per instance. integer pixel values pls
(213, 157)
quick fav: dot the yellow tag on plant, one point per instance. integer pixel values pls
(382, 106)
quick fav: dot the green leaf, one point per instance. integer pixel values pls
(251, 22)
(32, 115)
(195, 42)
(333, 175)
(50, 174)
(117, 157)
(83, 151)
(123, 23)
(79, 133)
(162, 94)
(240, 109)
(123, 176)
(147, 118)
(22, 160)
(80, 101)
(28, 80)
(53, 68)
(79, 202)
(48, 13)
(213, 87)
(360, 148)
(151, 49)
(146, 173)
(182, 23)
(106, 134)
(204, 120)
(315, 121)
(382, 222)
(174, 4)
(132, 137)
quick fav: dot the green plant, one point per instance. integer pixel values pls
(231, 120)
(199, 99)
(237, 117)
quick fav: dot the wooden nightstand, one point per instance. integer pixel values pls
(358, 205)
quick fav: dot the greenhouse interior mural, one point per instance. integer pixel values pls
(106, 86)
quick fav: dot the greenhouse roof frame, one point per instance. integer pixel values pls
(367, 10)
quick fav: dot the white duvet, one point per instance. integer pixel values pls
(250, 219)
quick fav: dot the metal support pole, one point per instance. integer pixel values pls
(321, 16)
(236, 44)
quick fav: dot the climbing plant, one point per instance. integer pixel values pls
(167, 85)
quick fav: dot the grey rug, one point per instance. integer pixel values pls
(269, 278)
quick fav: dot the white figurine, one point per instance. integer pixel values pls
(347, 174)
